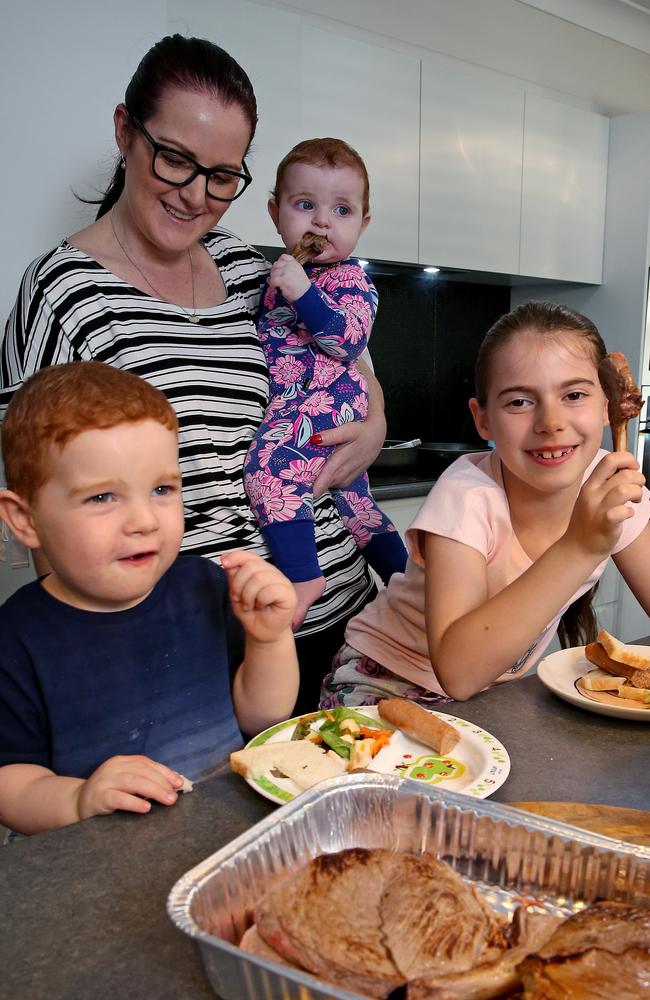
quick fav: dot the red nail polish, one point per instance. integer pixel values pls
(316, 439)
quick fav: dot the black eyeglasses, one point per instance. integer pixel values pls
(176, 168)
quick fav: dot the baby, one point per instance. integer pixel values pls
(314, 324)
(127, 663)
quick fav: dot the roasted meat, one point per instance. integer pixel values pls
(624, 400)
(369, 920)
(491, 979)
(450, 926)
(601, 953)
(309, 247)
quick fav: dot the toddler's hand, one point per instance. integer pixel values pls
(262, 597)
(126, 783)
(600, 509)
(288, 275)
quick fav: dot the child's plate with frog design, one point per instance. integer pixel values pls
(477, 766)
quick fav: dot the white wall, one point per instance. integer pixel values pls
(63, 68)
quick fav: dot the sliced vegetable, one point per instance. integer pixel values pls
(302, 730)
(330, 735)
(361, 754)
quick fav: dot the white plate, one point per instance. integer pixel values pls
(560, 671)
(478, 765)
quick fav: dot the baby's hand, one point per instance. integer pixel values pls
(126, 783)
(288, 275)
(601, 506)
(262, 597)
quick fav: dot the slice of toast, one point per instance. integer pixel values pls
(300, 760)
(602, 683)
(621, 652)
(597, 655)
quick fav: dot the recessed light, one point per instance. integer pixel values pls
(431, 270)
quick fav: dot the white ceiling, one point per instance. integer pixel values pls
(595, 51)
(626, 21)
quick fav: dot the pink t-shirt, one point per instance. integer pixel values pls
(468, 504)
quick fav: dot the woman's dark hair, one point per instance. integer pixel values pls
(190, 63)
(578, 623)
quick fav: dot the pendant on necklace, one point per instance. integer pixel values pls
(193, 318)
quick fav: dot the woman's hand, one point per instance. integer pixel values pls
(262, 597)
(601, 506)
(357, 444)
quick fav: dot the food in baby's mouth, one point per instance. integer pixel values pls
(309, 247)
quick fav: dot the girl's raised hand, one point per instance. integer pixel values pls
(601, 506)
(262, 597)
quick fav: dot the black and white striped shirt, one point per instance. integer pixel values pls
(70, 308)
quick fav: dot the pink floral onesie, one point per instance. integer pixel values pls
(311, 347)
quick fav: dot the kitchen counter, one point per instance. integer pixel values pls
(82, 909)
(398, 487)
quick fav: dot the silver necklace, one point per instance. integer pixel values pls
(192, 316)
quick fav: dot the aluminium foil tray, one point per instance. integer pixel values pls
(511, 856)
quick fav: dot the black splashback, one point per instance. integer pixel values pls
(423, 346)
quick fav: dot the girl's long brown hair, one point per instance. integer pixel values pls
(578, 624)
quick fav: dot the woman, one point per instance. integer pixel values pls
(154, 287)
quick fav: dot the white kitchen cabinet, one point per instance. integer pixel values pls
(266, 42)
(471, 153)
(563, 191)
(310, 82)
(370, 97)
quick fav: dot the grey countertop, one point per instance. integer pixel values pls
(385, 488)
(82, 909)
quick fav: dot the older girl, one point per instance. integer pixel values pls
(508, 546)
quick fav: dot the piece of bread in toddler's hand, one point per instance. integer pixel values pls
(300, 760)
(419, 724)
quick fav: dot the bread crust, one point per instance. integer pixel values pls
(622, 653)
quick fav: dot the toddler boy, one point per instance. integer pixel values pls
(127, 663)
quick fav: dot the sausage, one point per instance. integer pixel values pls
(421, 725)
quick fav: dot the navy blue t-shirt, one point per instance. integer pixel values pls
(78, 687)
